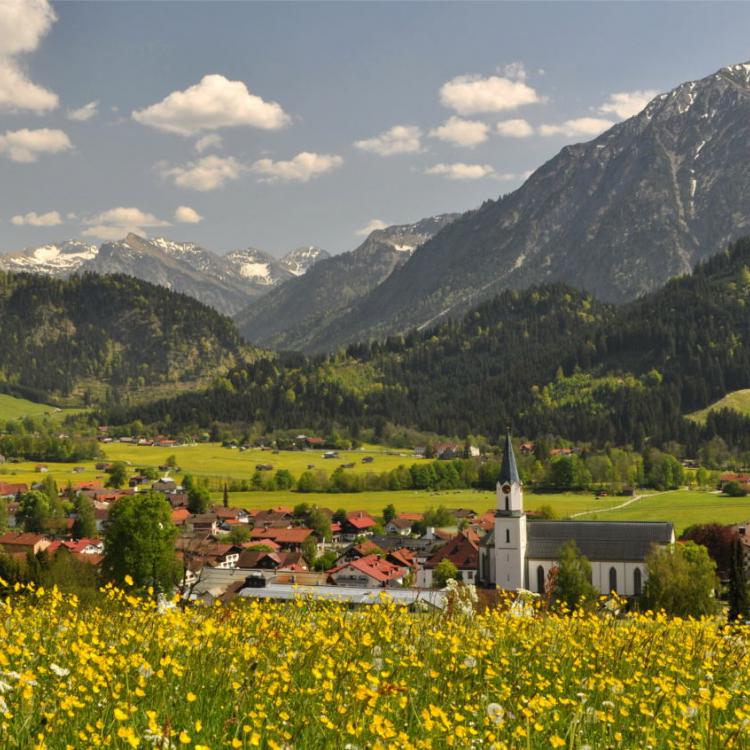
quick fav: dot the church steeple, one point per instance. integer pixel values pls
(508, 470)
(509, 492)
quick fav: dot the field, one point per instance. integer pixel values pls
(736, 400)
(16, 408)
(682, 507)
(128, 674)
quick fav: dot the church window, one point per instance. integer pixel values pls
(637, 581)
(507, 536)
(612, 579)
(540, 579)
(507, 507)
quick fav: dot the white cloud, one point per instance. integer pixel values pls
(84, 113)
(516, 71)
(215, 102)
(23, 24)
(206, 173)
(460, 171)
(212, 140)
(27, 145)
(581, 126)
(625, 104)
(371, 226)
(400, 139)
(301, 168)
(33, 219)
(114, 223)
(515, 128)
(461, 132)
(187, 215)
(471, 94)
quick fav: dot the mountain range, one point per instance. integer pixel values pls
(225, 282)
(617, 217)
(296, 314)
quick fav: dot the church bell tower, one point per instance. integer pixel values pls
(510, 525)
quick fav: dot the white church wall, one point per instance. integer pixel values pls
(599, 575)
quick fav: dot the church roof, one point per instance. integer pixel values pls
(508, 470)
(597, 540)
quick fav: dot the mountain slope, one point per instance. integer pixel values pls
(54, 259)
(295, 315)
(617, 216)
(60, 337)
(547, 360)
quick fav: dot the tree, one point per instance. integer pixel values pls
(84, 525)
(326, 561)
(389, 513)
(573, 587)
(319, 522)
(444, 571)
(734, 489)
(225, 497)
(171, 462)
(283, 480)
(140, 542)
(199, 499)
(681, 580)
(238, 534)
(118, 475)
(3, 514)
(718, 540)
(40, 513)
(310, 550)
(739, 606)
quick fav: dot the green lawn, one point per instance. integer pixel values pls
(16, 408)
(737, 400)
(683, 508)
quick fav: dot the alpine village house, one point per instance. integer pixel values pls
(520, 555)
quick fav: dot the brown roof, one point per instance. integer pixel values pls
(283, 536)
(462, 551)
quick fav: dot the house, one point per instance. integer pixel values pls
(357, 522)
(41, 469)
(238, 515)
(85, 546)
(742, 478)
(527, 448)
(15, 541)
(520, 555)
(403, 557)
(164, 485)
(278, 560)
(289, 539)
(204, 523)
(370, 571)
(447, 451)
(12, 490)
(400, 526)
(462, 550)
(356, 551)
(463, 514)
(180, 516)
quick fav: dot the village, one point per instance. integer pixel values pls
(351, 556)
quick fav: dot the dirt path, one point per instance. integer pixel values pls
(616, 507)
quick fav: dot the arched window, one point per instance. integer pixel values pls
(507, 536)
(540, 579)
(612, 579)
(637, 581)
(507, 507)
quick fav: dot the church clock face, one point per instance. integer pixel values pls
(506, 489)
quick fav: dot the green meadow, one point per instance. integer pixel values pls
(217, 464)
(738, 401)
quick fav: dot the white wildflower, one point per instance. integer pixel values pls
(58, 670)
(470, 662)
(496, 713)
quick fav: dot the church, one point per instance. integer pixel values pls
(518, 554)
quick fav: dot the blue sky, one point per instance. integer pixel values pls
(277, 125)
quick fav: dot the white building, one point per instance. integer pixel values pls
(517, 554)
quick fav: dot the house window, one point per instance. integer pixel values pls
(540, 579)
(507, 536)
(612, 579)
(637, 581)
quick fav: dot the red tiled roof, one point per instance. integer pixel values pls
(361, 523)
(367, 548)
(180, 515)
(283, 536)
(21, 539)
(411, 516)
(13, 489)
(375, 567)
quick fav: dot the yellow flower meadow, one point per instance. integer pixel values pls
(308, 675)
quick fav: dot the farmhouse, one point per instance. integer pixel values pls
(520, 555)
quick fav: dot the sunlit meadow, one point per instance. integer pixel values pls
(130, 673)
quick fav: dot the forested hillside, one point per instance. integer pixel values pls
(97, 336)
(546, 360)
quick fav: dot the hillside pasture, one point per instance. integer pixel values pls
(738, 401)
(12, 407)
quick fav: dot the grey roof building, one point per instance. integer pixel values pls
(520, 554)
